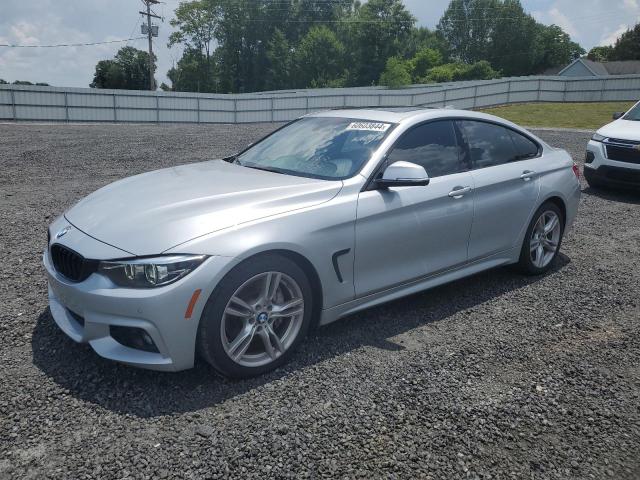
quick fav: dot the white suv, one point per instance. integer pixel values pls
(613, 153)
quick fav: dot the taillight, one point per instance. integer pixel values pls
(576, 170)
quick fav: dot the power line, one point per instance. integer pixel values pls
(70, 44)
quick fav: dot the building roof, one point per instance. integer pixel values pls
(625, 67)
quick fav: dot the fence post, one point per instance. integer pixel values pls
(475, 96)
(564, 91)
(13, 104)
(602, 89)
(412, 100)
(198, 108)
(508, 92)
(115, 109)
(539, 90)
(235, 110)
(306, 103)
(66, 108)
(272, 112)
(444, 100)
(157, 109)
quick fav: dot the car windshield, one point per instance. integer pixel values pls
(317, 147)
(634, 113)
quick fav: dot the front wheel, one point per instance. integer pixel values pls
(542, 240)
(256, 317)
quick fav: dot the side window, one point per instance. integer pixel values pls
(432, 145)
(489, 144)
(525, 148)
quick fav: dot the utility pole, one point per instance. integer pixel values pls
(150, 34)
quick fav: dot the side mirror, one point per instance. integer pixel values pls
(618, 115)
(403, 174)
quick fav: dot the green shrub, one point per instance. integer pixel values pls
(396, 73)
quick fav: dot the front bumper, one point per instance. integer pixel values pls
(85, 311)
(610, 172)
(614, 177)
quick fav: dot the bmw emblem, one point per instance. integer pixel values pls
(63, 232)
(262, 317)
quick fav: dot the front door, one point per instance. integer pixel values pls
(405, 233)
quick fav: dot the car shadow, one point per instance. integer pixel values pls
(621, 196)
(143, 393)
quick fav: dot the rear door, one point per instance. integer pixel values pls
(506, 178)
(405, 233)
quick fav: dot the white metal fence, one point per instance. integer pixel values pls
(31, 103)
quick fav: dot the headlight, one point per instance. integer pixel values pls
(597, 137)
(150, 272)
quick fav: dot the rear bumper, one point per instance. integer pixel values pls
(87, 310)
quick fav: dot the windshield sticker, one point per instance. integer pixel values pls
(369, 126)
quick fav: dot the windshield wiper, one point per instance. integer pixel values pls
(230, 158)
(261, 167)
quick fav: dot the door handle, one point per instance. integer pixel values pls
(527, 175)
(459, 192)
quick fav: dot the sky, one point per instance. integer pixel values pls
(47, 22)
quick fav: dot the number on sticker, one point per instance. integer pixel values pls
(369, 126)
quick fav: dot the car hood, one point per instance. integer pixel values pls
(150, 213)
(622, 129)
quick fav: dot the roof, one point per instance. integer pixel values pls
(596, 68)
(624, 67)
(398, 114)
(376, 114)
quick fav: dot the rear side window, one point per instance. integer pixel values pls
(525, 148)
(432, 145)
(489, 144)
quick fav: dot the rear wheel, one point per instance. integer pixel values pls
(256, 317)
(542, 240)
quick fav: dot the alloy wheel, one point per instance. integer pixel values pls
(262, 319)
(545, 238)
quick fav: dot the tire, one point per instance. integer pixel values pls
(220, 327)
(533, 262)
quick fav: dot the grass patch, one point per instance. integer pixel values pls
(565, 115)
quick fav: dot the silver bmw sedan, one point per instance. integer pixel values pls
(235, 259)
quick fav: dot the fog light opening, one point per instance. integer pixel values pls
(589, 157)
(133, 337)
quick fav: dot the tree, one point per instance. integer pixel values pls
(3, 82)
(467, 26)
(424, 60)
(421, 38)
(196, 23)
(319, 59)
(129, 70)
(193, 73)
(381, 29)
(280, 58)
(396, 73)
(501, 32)
(627, 47)
(600, 54)
(513, 47)
(22, 82)
(555, 48)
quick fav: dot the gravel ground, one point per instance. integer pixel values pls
(495, 376)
